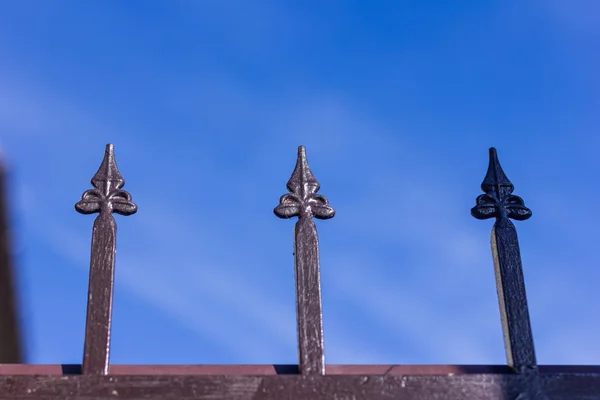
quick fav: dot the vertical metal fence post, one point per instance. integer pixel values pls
(10, 341)
(304, 202)
(499, 202)
(106, 198)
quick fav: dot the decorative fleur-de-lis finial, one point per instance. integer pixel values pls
(498, 200)
(106, 198)
(304, 202)
(107, 194)
(303, 199)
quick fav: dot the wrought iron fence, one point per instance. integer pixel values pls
(520, 379)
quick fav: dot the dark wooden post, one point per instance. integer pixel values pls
(10, 343)
(304, 202)
(106, 198)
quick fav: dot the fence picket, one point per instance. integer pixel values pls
(499, 202)
(106, 198)
(304, 202)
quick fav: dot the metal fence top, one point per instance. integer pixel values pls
(521, 378)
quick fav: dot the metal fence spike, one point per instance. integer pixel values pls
(499, 202)
(106, 198)
(304, 202)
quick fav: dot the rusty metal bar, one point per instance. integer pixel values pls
(10, 342)
(106, 198)
(303, 202)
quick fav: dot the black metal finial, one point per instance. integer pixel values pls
(304, 203)
(106, 198)
(106, 194)
(498, 200)
(495, 176)
(303, 199)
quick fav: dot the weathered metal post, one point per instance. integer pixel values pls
(498, 202)
(304, 202)
(106, 198)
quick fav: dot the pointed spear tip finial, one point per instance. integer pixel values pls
(107, 183)
(110, 152)
(302, 162)
(108, 170)
(498, 200)
(302, 173)
(109, 155)
(302, 199)
(495, 175)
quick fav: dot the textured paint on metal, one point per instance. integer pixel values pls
(106, 198)
(303, 202)
(498, 202)
(298, 387)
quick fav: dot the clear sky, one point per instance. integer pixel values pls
(397, 103)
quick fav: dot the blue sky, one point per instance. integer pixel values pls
(396, 102)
